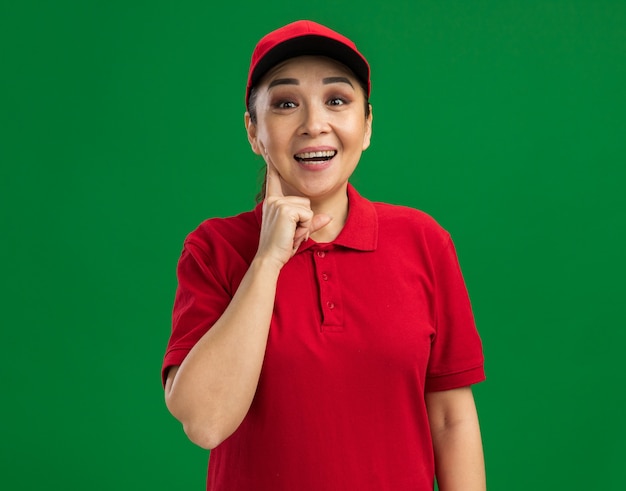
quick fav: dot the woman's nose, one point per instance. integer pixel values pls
(314, 120)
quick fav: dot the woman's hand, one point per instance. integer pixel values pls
(287, 220)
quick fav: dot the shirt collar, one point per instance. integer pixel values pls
(361, 229)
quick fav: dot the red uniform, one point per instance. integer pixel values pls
(362, 328)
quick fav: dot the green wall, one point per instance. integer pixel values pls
(122, 128)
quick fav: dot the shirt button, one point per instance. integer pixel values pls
(330, 305)
(325, 276)
(321, 254)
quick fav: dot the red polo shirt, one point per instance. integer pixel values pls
(362, 328)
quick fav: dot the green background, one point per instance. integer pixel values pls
(122, 129)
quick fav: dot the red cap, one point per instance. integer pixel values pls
(300, 38)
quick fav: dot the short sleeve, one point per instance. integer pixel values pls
(200, 300)
(456, 358)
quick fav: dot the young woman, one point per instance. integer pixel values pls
(321, 341)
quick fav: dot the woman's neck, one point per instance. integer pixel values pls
(338, 210)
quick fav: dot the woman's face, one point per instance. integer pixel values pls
(311, 125)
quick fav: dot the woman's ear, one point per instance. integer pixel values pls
(368, 129)
(251, 131)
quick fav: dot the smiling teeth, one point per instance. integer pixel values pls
(313, 155)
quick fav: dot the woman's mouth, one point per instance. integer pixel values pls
(313, 158)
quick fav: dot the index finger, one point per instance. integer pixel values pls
(272, 182)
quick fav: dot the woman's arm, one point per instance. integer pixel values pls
(212, 390)
(459, 461)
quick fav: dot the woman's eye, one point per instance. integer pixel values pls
(337, 101)
(285, 105)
